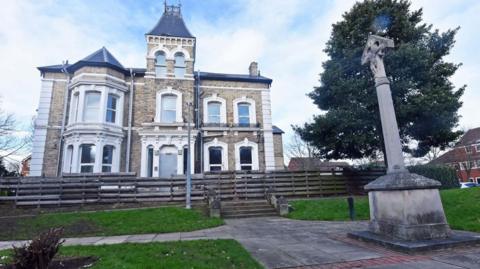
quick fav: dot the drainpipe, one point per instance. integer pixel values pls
(64, 119)
(200, 133)
(129, 131)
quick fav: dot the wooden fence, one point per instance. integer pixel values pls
(127, 188)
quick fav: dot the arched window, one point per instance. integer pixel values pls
(243, 114)
(91, 107)
(179, 65)
(111, 108)
(215, 158)
(87, 158)
(246, 162)
(168, 108)
(213, 110)
(160, 64)
(149, 161)
(107, 158)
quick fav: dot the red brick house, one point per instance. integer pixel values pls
(465, 157)
(25, 169)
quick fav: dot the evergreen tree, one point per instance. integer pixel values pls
(426, 102)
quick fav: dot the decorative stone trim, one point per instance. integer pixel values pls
(223, 108)
(206, 155)
(246, 143)
(179, 110)
(252, 109)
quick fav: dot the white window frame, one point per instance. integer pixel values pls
(87, 164)
(169, 91)
(111, 165)
(252, 109)
(177, 66)
(162, 66)
(73, 118)
(206, 154)
(477, 148)
(99, 108)
(223, 108)
(467, 149)
(115, 111)
(246, 143)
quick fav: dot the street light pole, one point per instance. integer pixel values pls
(189, 172)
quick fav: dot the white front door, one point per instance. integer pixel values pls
(168, 161)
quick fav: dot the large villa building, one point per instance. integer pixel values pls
(97, 116)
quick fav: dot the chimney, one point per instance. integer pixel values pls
(253, 69)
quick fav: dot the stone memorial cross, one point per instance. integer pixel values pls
(373, 55)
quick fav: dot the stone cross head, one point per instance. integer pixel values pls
(374, 52)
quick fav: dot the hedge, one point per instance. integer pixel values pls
(446, 175)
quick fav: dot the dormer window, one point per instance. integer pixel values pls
(179, 65)
(92, 106)
(160, 64)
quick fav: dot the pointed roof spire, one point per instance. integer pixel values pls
(171, 23)
(100, 58)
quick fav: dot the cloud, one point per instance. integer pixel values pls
(286, 37)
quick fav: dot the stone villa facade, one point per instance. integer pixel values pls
(97, 116)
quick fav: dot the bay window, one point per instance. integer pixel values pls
(92, 106)
(111, 108)
(87, 158)
(107, 158)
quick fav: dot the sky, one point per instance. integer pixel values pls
(286, 38)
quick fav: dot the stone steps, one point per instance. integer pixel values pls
(247, 209)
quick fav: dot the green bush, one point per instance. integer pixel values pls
(446, 175)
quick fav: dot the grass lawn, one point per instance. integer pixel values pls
(208, 254)
(462, 207)
(103, 223)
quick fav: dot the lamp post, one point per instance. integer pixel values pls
(188, 186)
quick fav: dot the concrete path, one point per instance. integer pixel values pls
(283, 243)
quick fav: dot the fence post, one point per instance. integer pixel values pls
(61, 192)
(308, 186)
(41, 192)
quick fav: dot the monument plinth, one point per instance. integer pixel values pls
(402, 205)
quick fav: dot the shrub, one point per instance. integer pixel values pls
(40, 252)
(446, 175)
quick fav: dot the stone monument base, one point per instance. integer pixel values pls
(406, 206)
(456, 239)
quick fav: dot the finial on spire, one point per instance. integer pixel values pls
(173, 9)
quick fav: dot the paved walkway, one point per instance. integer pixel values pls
(283, 243)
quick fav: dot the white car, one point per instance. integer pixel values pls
(465, 185)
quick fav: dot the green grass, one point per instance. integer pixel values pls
(328, 209)
(208, 254)
(462, 208)
(105, 223)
